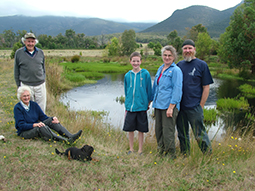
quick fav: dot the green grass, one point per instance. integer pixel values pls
(210, 116)
(33, 165)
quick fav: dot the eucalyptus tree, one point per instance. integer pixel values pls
(128, 42)
(237, 44)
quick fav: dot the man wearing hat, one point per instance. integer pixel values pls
(196, 84)
(29, 69)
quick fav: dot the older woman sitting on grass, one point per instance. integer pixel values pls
(31, 122)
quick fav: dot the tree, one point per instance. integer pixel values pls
(237, 44)
(20, 34)
(175, 40)
(172, 35)
(9, 38)
(113, 48)
(128, 42)
(70, 34)
(151, 45)
(194, 31)
(204, 45)
(157, 49)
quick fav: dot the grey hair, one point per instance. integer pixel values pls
(171, 49)
(21, 90)
(23, 40)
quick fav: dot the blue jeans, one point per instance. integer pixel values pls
(195, 118)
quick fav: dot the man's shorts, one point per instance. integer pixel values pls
(136, 121)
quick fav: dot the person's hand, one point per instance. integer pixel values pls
(148, 105)
(40, 124)
(55, 120)
(169, 112)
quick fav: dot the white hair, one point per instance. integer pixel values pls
(21, 90)
(23, 40)
(171, 49)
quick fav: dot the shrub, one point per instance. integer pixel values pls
(16, 46)
(229, 104)
(247, 90)
(75, 58)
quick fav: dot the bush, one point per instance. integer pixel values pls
(75, 58)
(229, 104)
(16, 46)
(247, 90)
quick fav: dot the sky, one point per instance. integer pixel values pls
(115, 10)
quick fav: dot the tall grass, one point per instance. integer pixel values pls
(33, 165)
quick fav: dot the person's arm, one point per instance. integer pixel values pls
(205, 95)
(169, 111)
(177, 91)
(149, 90)
(20, 121)
(16, 70)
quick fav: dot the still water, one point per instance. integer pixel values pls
(102, 97)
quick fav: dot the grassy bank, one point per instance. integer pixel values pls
(32, 164)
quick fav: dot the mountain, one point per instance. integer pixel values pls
(214, 20)
(53, 25)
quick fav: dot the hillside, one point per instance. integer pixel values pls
(216, 21)
(53, 25)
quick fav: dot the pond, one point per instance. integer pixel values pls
(102, 97)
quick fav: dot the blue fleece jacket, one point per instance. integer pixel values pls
(169, 89)
(24, 119)
(137, 88)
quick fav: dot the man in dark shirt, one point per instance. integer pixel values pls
(196, 85)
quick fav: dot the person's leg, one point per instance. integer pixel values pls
(140, 140)
(159, 130)
(131, 141)
(129, 126)
(142, 127)
(196, 118)
(169, 132)
(62, 130)
(40, 96)
(46, 133)
(30, 134)
(183, 132)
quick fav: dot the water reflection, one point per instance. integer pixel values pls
(102, 97)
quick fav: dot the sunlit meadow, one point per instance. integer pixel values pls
(33, 164)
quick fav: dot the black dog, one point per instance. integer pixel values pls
(82, 154)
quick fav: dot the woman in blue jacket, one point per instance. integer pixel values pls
(166, 96)
(32, 122)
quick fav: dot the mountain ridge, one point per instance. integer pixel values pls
(194, 15)
(214, 20)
